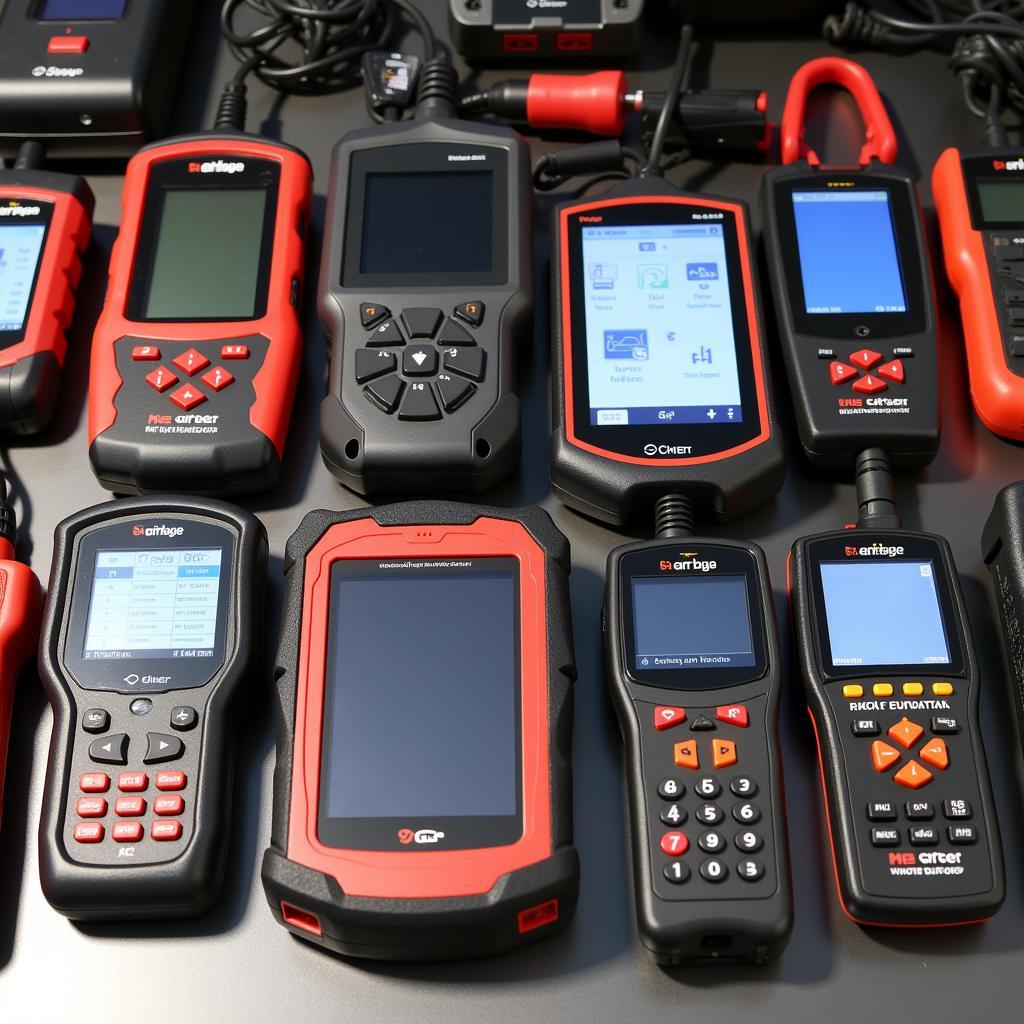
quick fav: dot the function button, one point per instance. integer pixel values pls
(469, 362)
(419, 362)
(673, 815)
(882, 690)
(453, 333)
(883, 756)
(826, 353)
(374, 362)
(913, 689)
(452, 392)
(885, 837)
(218, 378)
(471, 312)
(913, 776)
(707, 787)
(840, 373)
(145, 353)
(191, 362)
(748, 842)
(419, 404)
(723, 753)
(110, 749)
(386, 334)
(893, 372)
(709, 814)
(88, 832)
(160, 748)
(853, 690)
(372, 312)
(188, 397)
(671, 789)
(956, 810)
(903, 352)
(677, 872)
(743, 785)
(170, 781)
(712, 842)
(865, 358)
(421, 321)
(384, 393)
(67, 44)
(234, 351)
(685, 755)
(1015, 316)
(168, 806)
(918, 810)
(184, 718)
(905, 732)
(713, 871)
(96, 720)
(734, 714)
(667, 717)
(882, 810)
(746, 814)
(674, 844)
(943, 724)
(701, 724)
(962, 835)
(91, 807)
(1006, 253)
(141, 706)
(161, 379)
(942, 689)
(750, 870)
(126, 831)
(934, 752)
(865, 727)
(129, 806)
(924, 835)
(869, 385)
(165, 831)
(1017, 345)
(98, 782)
(132, 782)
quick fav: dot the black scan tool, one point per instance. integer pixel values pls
(692, 656)
(89, 77)
(150, 638)
(885, 651)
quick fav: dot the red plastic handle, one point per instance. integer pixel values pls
(880, 142)
(591, 103)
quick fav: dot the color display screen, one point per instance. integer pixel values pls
(20, 249)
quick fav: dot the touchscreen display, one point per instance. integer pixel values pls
(661, 345)
(20, 249)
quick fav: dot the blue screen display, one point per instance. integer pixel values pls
(81, 10)
(848, 257)
(883, 613)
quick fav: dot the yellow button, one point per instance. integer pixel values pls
(912, 689)
(882, 689)
(853, 690)
(942, 689)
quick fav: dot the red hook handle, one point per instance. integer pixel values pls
(880, 142)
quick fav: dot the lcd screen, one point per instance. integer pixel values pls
(661, 343)
(849, 262)
(883, 613)
(81, 10)
(1002, 202)
(20, 248)
(692, 623)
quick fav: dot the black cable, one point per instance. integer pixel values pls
(653, 165)
(31, 156)
(876, 491)
(674, 517)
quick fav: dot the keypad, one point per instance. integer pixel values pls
(192, 376)
(423, 362)
(867, 371)
(1007, 258)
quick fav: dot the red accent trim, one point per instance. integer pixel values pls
(755, 338)
(520, 42)
(880, 141)
(301, 919)
(538, 916)
(421, 874)
(275, 381)
(590, 103)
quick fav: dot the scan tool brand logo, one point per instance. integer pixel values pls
(1008, 165)
(16, 210)
(590, 220)
(42, 71)
(157, 531)
(547, 5)
(421, 836)
(688, 562)
(216, 167)
(668, 449)
(875, 550)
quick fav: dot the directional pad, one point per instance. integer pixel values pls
(191, 362)
(840, 373)
(421, 322)
(869, 385)
(906, 733)
(419, 404)
(419, 361)
(865, 358)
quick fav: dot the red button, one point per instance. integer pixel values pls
(734, 714)
(869, 385)
(217, 378)
(92, 807)
(168, 805)
(170, 780)
(893, 372)
(865, 358)
(191, 361)
(234, 352)
(840, 373)
(165, 831)
(675, 844)
(188, 397)
(68, 44)
(129, 806)
(145, 353)
(126, 831)
(88, 832)
(666, 717)
(132, 782)
(94, 782)
(161, 379)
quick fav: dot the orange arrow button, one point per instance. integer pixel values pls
(935, 753)
(905, 732)
(883, 757)
(723, 753)
(913, 776)
(686, 754)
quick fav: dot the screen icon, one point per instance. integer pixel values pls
(627, 344)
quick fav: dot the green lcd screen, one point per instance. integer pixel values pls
(1002, 202)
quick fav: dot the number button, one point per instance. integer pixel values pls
(750, 870)
(707, 787)
(713, 871)
(709, 814)
(677, 872)
(673, 815)
(711, 842)
(746, 814)
(670, 789)
(748, 842)
(743, 785)
(675, 844)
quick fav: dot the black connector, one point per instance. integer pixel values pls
(8, 518)
(31, 156)
(876, 491)
(390, 81)
(712, 119)
(674, 517)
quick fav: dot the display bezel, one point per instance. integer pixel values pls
(978, 170)
(44, 218)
